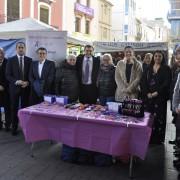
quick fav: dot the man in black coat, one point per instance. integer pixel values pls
(42, 76)
(17, 72)
(4, 95)
(88, 67)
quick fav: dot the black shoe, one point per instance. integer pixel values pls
(7, 129)
(15, 132)
(172, 142)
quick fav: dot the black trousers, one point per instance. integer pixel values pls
(19, 99)
(88, 94)
(7, 112)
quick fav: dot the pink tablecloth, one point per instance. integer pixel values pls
(88, 130)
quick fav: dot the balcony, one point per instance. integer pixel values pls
(174, 15)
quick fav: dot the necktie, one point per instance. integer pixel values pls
(21, 68)
(86, 73)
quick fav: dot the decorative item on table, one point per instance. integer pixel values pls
(62, 100)
(83, 106)
(49, 98)
(114, 106)
(74, 106)
(99, 107)
(133, 107)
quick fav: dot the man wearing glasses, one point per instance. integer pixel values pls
(17, 72)
(42, 76)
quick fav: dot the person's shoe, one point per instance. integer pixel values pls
(7, 128)
(15, 132)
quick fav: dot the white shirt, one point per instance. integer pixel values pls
(22, 61)
(90, 69)
(40, 67)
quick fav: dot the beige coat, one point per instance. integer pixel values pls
(125, 89)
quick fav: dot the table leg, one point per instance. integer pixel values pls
(131, 167)
(32, 148)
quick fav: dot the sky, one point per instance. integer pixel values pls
(154, 8)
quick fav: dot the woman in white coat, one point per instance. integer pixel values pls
(128, 75)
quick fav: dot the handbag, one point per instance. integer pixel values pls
(133, 107)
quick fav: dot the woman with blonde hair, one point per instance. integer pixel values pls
(106, 80)
(147, 60)
(127, 76)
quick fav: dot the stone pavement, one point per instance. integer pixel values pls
(17, 164)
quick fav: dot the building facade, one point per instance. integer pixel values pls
(104, 20)
(86, 20)
(80, 19)
(124, 20)
(174, 19)
(47, 11)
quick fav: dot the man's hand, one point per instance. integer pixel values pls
(149, 95)
(155, 94)
(1, 88)
(25, 84)
(178, 111)
(19, 83)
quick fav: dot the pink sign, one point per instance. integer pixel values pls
(84, 9)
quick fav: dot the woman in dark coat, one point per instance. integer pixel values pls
(155, 84)
(67, 83)
(106, 80)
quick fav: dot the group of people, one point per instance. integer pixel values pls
(86, 79)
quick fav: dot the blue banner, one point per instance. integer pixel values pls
(9, 46)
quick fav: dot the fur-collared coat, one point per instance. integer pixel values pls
(125, 89)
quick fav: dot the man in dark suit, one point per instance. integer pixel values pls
(42, 76)
(4, 92)
(88, 68)
(17, 72)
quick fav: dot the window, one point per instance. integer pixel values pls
(88, 3)
(105, 9)
(126, 28)
(13, 9)
(126, 7)
(87, 27)
(78, 24)
(105, 33)
(125, 38)
(44, 14)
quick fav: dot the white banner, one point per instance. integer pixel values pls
(138, 46)
(54, 41)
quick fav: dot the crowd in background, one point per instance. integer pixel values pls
(86, 79)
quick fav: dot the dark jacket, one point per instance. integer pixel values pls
(106, 81)
(67, 83)
(163, 82)
(13, 73)
(95, 69)
(174, 72)
(46, 81)
(4, 83)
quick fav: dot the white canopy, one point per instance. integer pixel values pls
(27, 24)
(138, 46)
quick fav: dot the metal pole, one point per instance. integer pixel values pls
(131, 167)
